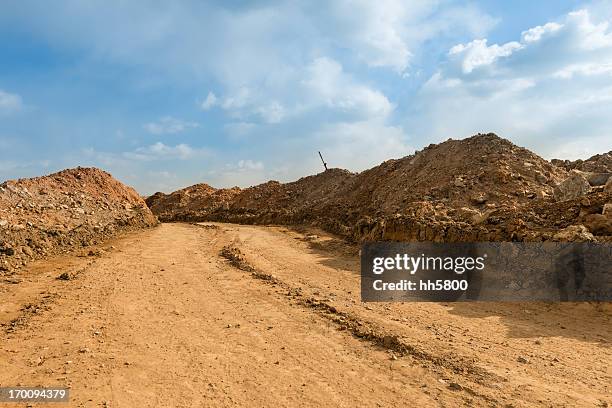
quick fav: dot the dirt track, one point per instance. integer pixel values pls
(161, 319)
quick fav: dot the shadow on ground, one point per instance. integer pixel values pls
(584, 321)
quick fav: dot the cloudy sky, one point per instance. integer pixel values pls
(167, 94)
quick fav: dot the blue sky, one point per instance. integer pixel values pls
(168, 94)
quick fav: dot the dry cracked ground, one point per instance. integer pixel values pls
(186, 315)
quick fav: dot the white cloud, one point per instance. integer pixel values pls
(160, 151)
(251, 38)
(586, 33)
(160, 180)
(330, 85)
(546, 91)
(586, 69)
(388, 33)
(169, 125)
(477, 53)
(535, 34)
(292, 75)
(320, 85)
(258, 61)
(283, 73)
(378, 31)
(580, 147)
(9, 102)
(273, 112)
(209, 102)
(250, 165)
(575, 44)
(238, 99)
(244, 173)
(344, 144)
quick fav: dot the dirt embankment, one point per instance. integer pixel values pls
(480, 188)
(63, 211)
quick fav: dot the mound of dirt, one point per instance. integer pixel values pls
(600, 163)
(596, 170)
(483, 169)
(193, 203)
(65, 210)
(479, 188)
(306, 192)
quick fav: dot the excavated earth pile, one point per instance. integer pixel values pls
(600, 163)
(483, 188)
(64, 211)
(190, 203)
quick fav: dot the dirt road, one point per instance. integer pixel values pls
(160, 319)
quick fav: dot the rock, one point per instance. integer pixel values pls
(389, 341)
(467, 214)
(608, 186)
(576, 185)
(8, 251)
(455, 386)
(599, 224)
(479, 198)
(541, 178)
(3, 223)
(574, 233)
(522, 360)
(598, 179)
(459, 182)
(607, 210)
(27, 250)
(64, 276)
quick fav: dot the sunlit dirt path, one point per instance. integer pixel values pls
(160, 319)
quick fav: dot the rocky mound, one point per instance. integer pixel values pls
(306, 193)
(600, 163)
(65, 210)
(483, 169)
(191, 203)
(476, 188)
(597, 170)
(201, 202)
